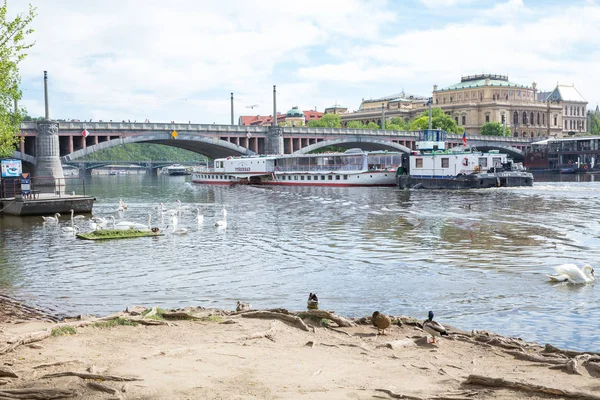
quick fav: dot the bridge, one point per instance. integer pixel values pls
(216, 141)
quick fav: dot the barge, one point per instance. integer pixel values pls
(435, 167)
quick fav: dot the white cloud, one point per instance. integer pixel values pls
(181, 59)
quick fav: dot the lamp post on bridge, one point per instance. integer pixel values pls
(231, 108)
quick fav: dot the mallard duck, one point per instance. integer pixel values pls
(312, 302)
(242, 306)
(433, 328)
(381, 321)
(572, 274)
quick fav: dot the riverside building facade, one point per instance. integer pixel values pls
(478, 99)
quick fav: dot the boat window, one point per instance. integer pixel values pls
(322, 177)
(329, 177)
(445, 162)
(302, 178)
(296, 177)
(345, 177)
(483, 162)
(419, 163)
(337, 177)
(308, 178)
(497, 161)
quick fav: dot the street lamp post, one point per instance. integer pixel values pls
(382, 116)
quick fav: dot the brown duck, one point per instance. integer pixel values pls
(381, 321)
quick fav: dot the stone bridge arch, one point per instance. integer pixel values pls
(350, 142)
(210, 147)
(25, 157)
(514, 153)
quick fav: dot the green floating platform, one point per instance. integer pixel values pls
(107, 234)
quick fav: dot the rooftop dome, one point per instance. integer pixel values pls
(294, 112)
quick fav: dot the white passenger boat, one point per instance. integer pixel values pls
(354, 167)
(177, 169)
(435, 167)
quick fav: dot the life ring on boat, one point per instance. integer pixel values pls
(570, 161)
(585, 167)
(465, 161)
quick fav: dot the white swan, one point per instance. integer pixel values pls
(52, 219)
(572, 274)
(222, 223)
(73, 228)
(177, 231)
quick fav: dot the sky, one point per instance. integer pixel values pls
(179, 60)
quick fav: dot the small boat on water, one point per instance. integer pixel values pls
(354, 167)
(435, 167)
(177, 169)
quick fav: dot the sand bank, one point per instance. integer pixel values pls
(220, 354)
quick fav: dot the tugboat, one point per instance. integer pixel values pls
(435, 167)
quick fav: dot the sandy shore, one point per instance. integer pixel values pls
(220, 354)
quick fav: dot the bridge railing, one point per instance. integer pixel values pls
(249, 130)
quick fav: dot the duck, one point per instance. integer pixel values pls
(52, 219)
(433, 328)
(381, 321)
(242, 306)
(572, 274)
(312, 302)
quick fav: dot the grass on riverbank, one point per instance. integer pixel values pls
(63, 330)
(114, 322)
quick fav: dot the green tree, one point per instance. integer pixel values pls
(439, 120)
(372, 125)
(494, 129)
(326, 121)
(13, 49)
(355, 125)
(397, 124)
(595, 124)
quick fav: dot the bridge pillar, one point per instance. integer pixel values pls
(48, 171)
(83, 171)
(274, 142)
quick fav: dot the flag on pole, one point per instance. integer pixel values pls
(464, 139)
(85, 133)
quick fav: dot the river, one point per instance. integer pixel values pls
(477, 258)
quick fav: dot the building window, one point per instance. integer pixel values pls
(543, 119)
(503, 118)
(445, 162)
(464, 119)
(566, 125)
(524, 118)
(487, 118)
(419, 163)
(555, 120)
(516, 118)
(456, 119)
(538, 118)
(531, 119)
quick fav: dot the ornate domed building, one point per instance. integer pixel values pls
(294, 117)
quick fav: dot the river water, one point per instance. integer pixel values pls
(477, 258)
